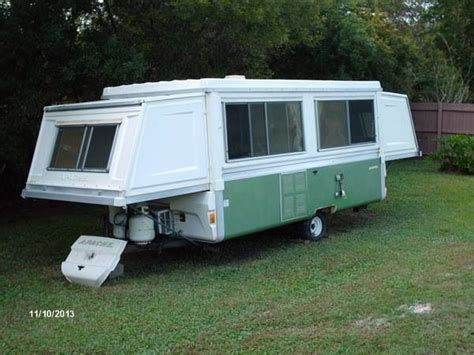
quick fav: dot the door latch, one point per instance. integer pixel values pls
(340, 193)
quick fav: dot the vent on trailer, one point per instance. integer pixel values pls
(165, 223)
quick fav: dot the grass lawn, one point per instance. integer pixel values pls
(349, 293)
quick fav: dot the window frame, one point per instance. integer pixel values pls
(249, 102)
(87, 134)
(346, 100)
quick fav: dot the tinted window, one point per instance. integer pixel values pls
(238, 131)
(278, 128)
(362, 121)
(256, 129)
(295, 126)
(68, 145)
(259, 130)
(83, 148)
(345, 122)
(102, 138)
(333, 130)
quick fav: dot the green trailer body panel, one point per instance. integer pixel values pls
(264, 202)
(360, 183)
(254, 204)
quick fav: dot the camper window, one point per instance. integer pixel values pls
(345, 122)
(258, 129)
(68, 145)
(83, 148)
(362, 121)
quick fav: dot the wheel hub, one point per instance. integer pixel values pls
(316, 226)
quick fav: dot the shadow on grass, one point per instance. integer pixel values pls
(245, 250)
(235, 252)
(46, 242)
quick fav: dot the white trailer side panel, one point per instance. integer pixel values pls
(172, 155)
(398, 138)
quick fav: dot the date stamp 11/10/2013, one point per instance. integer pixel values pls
(52, 313)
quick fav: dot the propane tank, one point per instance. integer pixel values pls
(118, 219)
(141, 227)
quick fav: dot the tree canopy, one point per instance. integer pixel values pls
(67, 51)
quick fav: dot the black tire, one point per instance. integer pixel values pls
(315, 228)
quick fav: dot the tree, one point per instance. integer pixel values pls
(357, 43)
(452, 23)
(52, 52)
(195, 39)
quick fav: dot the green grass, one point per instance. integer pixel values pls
(264, 292)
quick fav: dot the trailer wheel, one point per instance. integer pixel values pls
(315, 228)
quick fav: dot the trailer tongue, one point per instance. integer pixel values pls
(92, 260)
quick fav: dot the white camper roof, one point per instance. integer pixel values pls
(235, 83)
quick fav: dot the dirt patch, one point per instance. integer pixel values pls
(417, 308)
(373, 323)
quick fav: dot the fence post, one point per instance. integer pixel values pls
(439, 125)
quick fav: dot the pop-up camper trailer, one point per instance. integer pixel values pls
(215, 159)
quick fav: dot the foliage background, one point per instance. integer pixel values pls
(67, 51)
